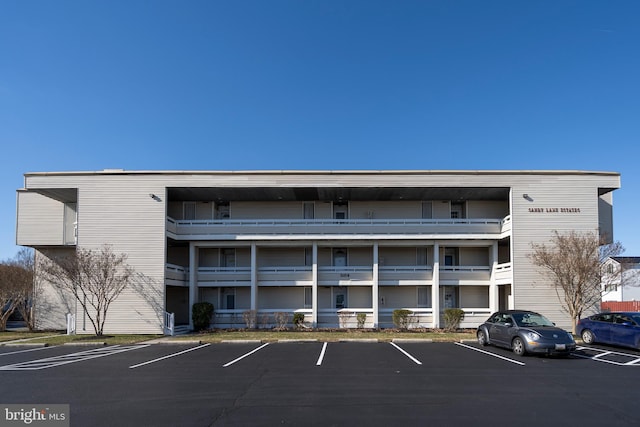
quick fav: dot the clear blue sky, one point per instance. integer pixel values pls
(235, 85)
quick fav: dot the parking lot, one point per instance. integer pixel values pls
(324, 384)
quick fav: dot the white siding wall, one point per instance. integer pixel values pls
(398, 296)
(52, 304)
(280, 257)
(285, 298)
(531, 289)
(474, 296)
(441, 209)
(40, 220)
(386, 210)
(397, 256)
(359, 297)
(360, 256)
(474, 256)
(487, 209)
(266, 210)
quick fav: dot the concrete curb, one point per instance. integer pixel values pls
(85, 344)
(411, 340)
(362, 340)
(173, 342)
(299, 340)
(26, 344)
(468, 341)
(241, 341)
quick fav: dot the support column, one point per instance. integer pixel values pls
(314, 285)
(493, 287)
(254, 276)
(193, 279)
(374, 290)
(435, 288)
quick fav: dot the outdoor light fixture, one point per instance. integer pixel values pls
(526, 196)
(154, 197)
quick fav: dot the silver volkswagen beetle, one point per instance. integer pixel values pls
(525, 332)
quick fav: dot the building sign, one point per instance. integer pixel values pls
(554, 210)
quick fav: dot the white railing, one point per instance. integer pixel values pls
(71, 324)
(341, 226)
(169, 323)
(465, 268)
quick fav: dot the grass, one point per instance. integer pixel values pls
(215, 336)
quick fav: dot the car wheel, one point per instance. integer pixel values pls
(517, 345)
(587, 337)
(482, 338)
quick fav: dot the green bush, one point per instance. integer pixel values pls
(361, 318)
(452, 319)
(201, 314)
(298, 319)
(401, 318)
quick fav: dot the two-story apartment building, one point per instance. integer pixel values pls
(328, 244)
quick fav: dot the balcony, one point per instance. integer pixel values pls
(287, 228)
(339, 276)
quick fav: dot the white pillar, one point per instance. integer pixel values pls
(193, 279)
(254, 276)
(314, 285)
(435, 288)
(494, 299)
(374, 289)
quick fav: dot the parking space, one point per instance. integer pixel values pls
(318, 383)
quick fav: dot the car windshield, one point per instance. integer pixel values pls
(531, 319)
(636, 317)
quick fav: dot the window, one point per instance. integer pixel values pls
(222, 210)
(308, 297)
(189, 210)
(421, 256)
(228, 298)
(427, 210)
(340, 257)
(450, 256)
(227, 257)
(457, 210)
(423, 296)
(308, 210)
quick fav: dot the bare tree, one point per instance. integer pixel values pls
(9, 293)
(574, 264)
(94, 277)
(16, 287)
(26, 285)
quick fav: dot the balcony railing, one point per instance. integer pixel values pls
(189, 229)
(342, 276)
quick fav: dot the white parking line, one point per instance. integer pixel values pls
(244, 355)
(24, 351)
(406, 354)
(168, 356)
(490, 354)
(324, 349)
(50, 362)
(602, 353)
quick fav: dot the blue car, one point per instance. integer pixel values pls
(622, 328)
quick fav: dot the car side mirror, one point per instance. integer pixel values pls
(508, 324)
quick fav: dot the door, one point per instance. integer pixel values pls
(500, 330)
(340, 211)
(340, 298)
(340, 257)
(623, 330)
(448, 297)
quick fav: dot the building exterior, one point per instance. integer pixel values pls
(622, 284)
(327, 244)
